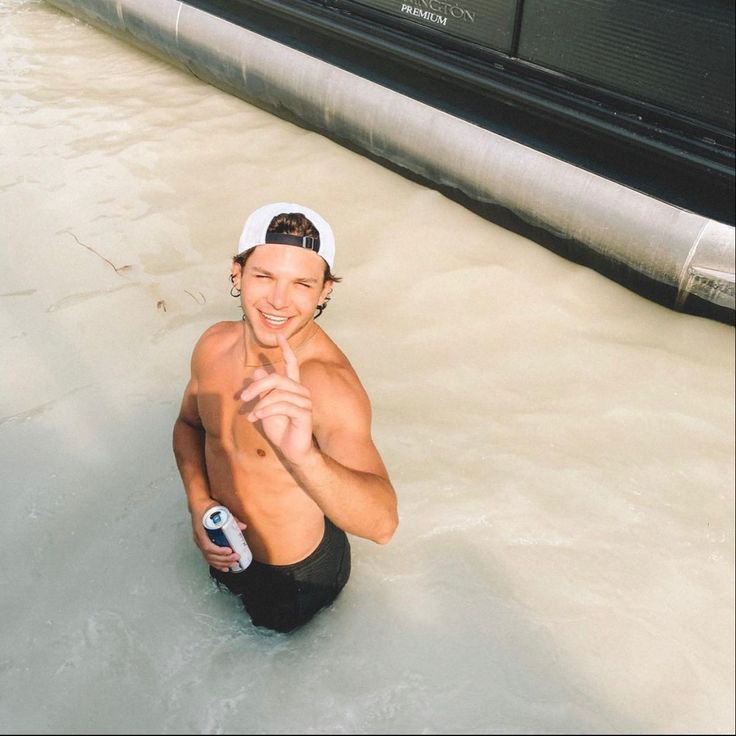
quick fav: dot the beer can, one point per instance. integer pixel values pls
(223, 530)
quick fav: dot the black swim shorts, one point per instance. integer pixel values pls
(284, 597)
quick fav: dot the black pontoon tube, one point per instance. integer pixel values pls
(691, 254)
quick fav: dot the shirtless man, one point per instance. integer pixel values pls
(275, 425)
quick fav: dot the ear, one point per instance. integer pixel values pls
(236, 273)
(326, 289)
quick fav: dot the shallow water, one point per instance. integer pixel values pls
(563, 450)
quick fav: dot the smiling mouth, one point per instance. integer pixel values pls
(273, 320)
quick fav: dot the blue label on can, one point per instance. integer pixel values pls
(218, 537)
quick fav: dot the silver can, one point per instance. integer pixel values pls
(223, 530)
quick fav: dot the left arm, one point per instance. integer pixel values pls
(342, 471)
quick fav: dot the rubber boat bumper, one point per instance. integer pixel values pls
(688, 257)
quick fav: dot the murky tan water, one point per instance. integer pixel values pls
(563, 450)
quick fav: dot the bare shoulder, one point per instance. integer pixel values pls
(341, 410)
(213, 342)
(335, 387)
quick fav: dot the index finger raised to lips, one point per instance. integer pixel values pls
(290, 361)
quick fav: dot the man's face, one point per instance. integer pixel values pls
(280, 286)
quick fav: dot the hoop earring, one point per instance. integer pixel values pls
(321, 307)
(234, 291)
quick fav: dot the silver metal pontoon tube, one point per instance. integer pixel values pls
(691, 253)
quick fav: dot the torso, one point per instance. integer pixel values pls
(284, 525)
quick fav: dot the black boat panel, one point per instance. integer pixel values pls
(488, 23)
(669, 154)
(677, 54)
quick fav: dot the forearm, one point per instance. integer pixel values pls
(188, 444)
(360, 503)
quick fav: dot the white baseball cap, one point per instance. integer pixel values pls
(255, 231)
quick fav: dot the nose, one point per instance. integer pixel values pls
(279, 296)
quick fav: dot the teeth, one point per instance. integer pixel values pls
(274, 320)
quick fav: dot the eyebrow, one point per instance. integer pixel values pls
(304, 279)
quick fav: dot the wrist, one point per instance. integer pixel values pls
(312, 461)
(198, 506)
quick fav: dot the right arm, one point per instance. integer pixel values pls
(188, 443)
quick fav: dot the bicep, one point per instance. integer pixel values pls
(189, 410)
(343, 431)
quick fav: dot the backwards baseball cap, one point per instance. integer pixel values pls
(255, 232)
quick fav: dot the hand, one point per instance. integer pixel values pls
(284, 408)
(221, 558)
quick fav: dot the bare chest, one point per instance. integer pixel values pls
(224, 414)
